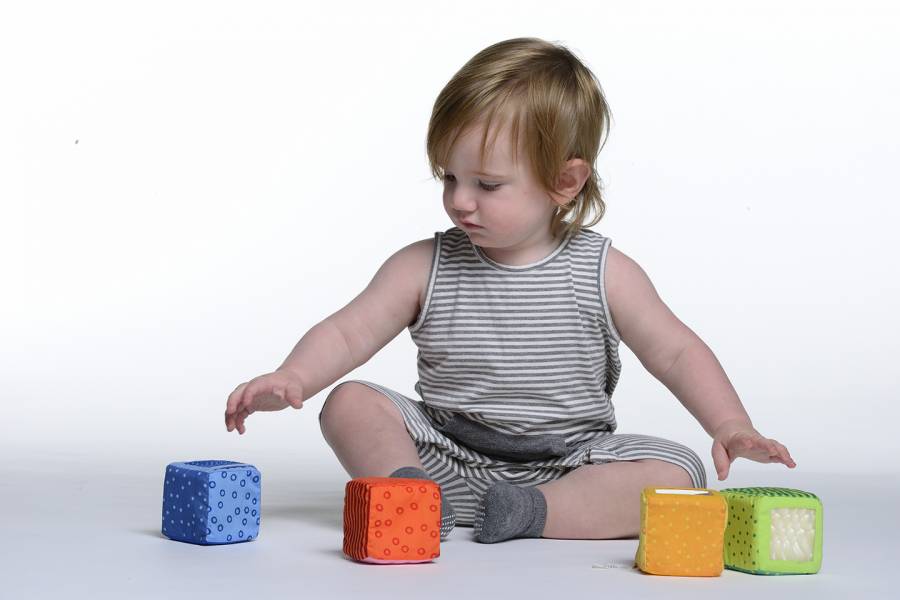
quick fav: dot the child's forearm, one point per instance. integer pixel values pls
(701, 385)
(321, 357)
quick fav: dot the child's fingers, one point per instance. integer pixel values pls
(239, 421)
(764, 451)
(231, 406)
(250, 392)
(777, 452)
(761, 450)
(785, 455)
(233, 398)
(771, 448)
(756, 448)
(748, 448)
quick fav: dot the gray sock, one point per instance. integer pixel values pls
(448, 515)
(509, 511)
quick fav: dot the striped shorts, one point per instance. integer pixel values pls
(465, 474)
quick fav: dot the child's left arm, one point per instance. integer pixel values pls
(682, 362)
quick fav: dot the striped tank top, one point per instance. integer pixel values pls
(523, 349)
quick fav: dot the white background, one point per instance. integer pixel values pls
(188, 187)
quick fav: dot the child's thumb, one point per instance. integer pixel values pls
(720, 460)
(293, 395)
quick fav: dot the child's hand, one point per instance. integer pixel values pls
(734, 439)
(272, 391)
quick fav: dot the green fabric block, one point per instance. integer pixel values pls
(773, 531)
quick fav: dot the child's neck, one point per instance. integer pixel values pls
(532, 253)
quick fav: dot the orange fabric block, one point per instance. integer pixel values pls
(682, 532)
(392, 520)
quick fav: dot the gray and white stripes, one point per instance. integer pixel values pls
(523, 349)
(528, 349)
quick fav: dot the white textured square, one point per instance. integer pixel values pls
(793, 534)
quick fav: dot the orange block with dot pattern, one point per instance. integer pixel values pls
(392, 520)
(682, 532)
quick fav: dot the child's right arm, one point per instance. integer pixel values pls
(341, 342)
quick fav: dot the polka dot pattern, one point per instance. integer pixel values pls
(392, 520)
(682, 532)
(211, 502)
(773, 531)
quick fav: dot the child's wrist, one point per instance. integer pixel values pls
(733, 425)
(296, 374)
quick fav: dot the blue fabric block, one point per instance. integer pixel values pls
(211, 502)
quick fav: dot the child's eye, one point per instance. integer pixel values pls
(489, 187)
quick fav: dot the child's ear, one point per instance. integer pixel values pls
(571, 179)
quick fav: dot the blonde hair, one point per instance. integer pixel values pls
(545, 91)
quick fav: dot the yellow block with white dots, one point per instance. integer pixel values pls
(682, 532)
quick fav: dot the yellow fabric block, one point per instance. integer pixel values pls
(682, 532)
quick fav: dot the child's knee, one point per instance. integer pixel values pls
(350, 403)
(668, 474)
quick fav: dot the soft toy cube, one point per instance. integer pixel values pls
(682, 532)
(773, 531)
(392, 520)
(211, 502)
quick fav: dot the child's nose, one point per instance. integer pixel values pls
(461, 200)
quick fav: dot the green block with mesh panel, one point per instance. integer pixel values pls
(773, 531)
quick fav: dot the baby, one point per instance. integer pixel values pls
(517, 312)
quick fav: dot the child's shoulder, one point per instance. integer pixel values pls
(416, 258)
(621, 273)
(419, 252)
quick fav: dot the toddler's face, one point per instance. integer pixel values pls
(509, 206)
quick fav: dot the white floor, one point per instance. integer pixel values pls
(91, 528)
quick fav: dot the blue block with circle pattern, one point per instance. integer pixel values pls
(211, 502)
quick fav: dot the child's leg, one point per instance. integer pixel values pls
(602, 501)
(366, 431)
